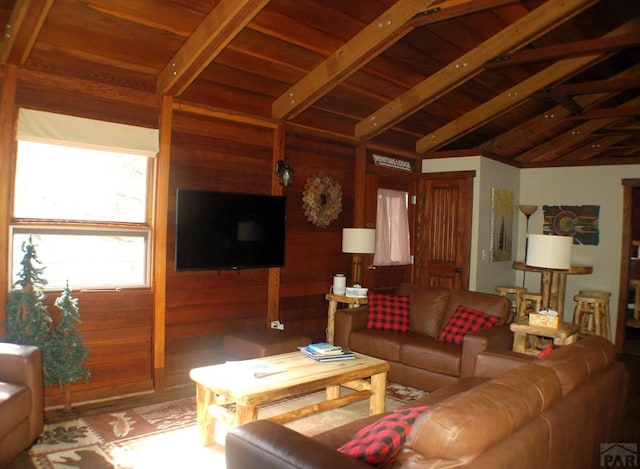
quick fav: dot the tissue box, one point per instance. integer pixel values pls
(542, 320)
(356, 292)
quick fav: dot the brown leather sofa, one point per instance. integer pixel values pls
(562, 411)
(415, 357)
(21, 399)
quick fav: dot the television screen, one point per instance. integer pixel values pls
(224, 230)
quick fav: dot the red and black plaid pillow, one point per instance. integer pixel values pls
(388, 312)
(380, 442)
(464, 321)
(547, 350)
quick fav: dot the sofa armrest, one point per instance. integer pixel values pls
(347, 320)
(490, 364)
(263, 443)
(494, 338)
(22, 364)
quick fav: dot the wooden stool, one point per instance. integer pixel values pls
(506, 291)
(529, 303)
(591, 314)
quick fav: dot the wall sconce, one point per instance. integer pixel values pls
(358, 241)
(549, 252)
(284, 172)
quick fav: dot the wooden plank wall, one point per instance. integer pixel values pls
(216, 154)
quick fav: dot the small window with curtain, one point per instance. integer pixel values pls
(392, 228)
(81, 191)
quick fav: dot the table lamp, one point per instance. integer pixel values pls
(549, 252)
(358, 241)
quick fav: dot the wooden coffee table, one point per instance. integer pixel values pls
(230, 393)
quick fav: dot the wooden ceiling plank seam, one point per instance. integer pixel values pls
(570, 137)
(150, 13)
(549, 118)
(526, 29)
(512, 97)
(372, 40)
(88, 87)
(222, 114)
(21, 32)
(563, 51)
(215, 32)
(502, 103)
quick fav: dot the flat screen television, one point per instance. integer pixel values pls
(225, 230)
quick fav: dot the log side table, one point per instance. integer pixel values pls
(565, 334)
(334, 299)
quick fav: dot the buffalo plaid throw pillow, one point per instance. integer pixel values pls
(547, 350)
(380, 442)
(388, 312)
(464, 321)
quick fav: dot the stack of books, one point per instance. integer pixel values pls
(325, 352)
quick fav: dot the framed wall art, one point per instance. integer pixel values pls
(579, 221)
(501, 228)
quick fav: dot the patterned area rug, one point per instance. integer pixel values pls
(166, 436)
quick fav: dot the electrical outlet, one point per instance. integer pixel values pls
(277, 325)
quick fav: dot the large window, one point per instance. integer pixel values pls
(81, 193)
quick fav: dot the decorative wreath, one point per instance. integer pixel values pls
(322, 200)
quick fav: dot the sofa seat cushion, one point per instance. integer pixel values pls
(377, 343)
(15, 405)
(427, 353)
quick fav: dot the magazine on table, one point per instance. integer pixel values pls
(325, 348)
(345, 354)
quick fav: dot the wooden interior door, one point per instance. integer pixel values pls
(443, 239)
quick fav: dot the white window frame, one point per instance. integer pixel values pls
(66, 130)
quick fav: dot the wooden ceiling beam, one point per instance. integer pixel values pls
(563, 51)
(362, 48)
(22, 30)
(592, 149)
(526, 29)
(606, 113)
(599, 86)
(569, 138)
(215, 32)
(512, 97)
(549, 118)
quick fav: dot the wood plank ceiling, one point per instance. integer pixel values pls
(530, 83)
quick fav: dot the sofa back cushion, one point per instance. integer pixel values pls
(488, 303)
(426, 307)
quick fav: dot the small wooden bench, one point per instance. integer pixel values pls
(254, 343)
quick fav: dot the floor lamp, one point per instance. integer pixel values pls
(549, 253)
(358, 241)
(527, 210)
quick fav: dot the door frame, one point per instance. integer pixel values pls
(625, 253)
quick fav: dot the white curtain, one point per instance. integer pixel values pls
(392, 229)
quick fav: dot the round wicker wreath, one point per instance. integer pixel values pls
(322, 200)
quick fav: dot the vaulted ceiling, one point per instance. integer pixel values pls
(530, 83)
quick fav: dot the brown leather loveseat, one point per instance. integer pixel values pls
(21, 399)
(561, 411)
(416, 357)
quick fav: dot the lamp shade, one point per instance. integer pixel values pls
(359, 240)
(549, 251)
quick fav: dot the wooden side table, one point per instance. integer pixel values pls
(565, 334)
(334, 299)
